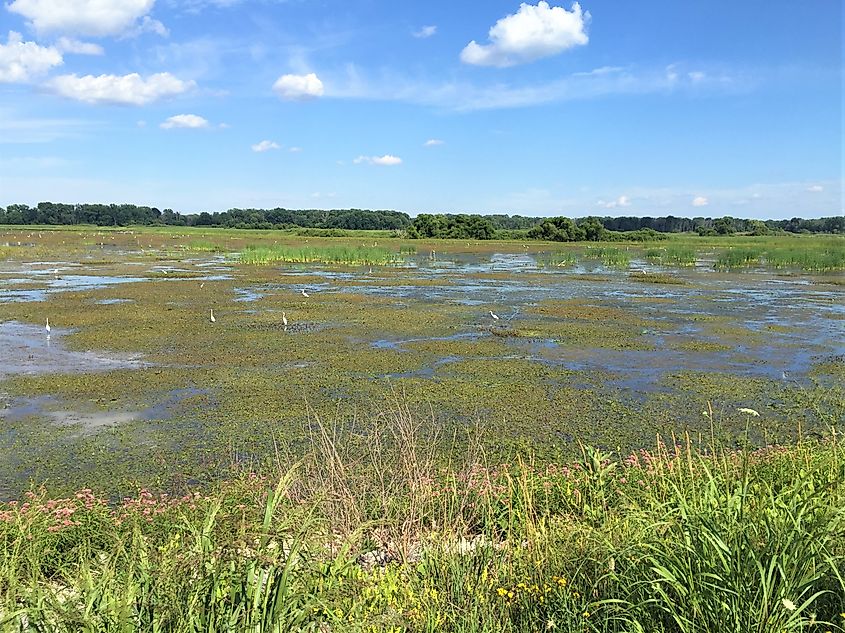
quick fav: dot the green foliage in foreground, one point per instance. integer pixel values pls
(674, 540)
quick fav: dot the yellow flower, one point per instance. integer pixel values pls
(586, 614)
(788, 604)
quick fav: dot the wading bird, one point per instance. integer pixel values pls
(213, 320)
(284, 319)
(304, 294)
(494, 315)
(47, 327)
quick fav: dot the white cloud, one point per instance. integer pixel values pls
(83, 17)
(188, 121)
(529, 34)
(424, 32)
(697, 76)
(433, 142)
(700, 201)
(129, 89)
(294, 150)
(298, 87)
(815, 188)
(386, 160)
(148, 25)
(621, 201)
(69, 45)
(265, 146)
(20, 61)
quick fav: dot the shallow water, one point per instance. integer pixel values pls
(29, 350)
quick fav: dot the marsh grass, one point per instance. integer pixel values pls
(368, 533)
(817, 260)
(609, 256)
(559, 259)
(673, 255)
(738, 258)
(329, 254)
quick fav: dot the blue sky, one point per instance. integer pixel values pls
(598, 108)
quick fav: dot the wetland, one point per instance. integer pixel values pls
(135, 385)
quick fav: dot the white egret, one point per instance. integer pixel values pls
(284, 319)
(202, 284)
(304, 294)
(47, 327)
(494, 315)
(213, 320)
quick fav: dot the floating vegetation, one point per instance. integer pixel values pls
(656, 278)
(348, 255)
(609, 256)
(672, 256)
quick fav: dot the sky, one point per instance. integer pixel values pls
(593, 108)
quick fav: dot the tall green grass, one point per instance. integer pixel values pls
(367, 534)
(738, 258)
(817, 260)
(672, 256)
(559, 259)
(609, 256)
(341, 254)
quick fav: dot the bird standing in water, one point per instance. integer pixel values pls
(47, 327)
(304, 294)
(284, 320)
(495, 316)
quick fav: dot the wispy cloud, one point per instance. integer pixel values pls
(387, 160)
(433, 142)
(185, 121)
(425, 32)
(465, 96)
(265, 146)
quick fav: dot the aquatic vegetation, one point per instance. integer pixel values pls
(672, 255)
(558, 259)
(348, 255)
(656, 278)
(738, 258)
(819, 260)
(609, 256)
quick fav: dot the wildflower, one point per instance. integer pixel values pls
(586, 614)
(788, 604)
(550, 625)
(747, 411)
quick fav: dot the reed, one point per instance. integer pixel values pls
(341, 254)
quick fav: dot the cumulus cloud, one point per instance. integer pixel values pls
(69, 45)
(96, 18)
(298, 87)
(433, 142)
(424, 32)
(815, 188)
(386, 160)
(188, 121)
(621, 201)
(700, 201)
(20, 61)
(529, 34)
(129, 89)
(265, 146)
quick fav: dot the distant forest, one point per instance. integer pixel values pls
(458, 226)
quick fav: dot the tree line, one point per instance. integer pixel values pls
(425, 225)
